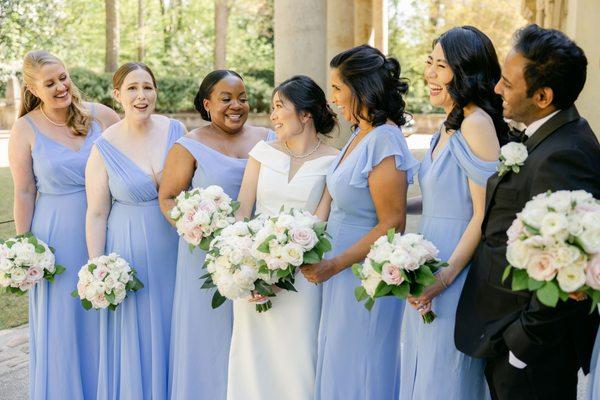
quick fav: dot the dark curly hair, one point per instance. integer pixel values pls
(206, 88)
(306, 95)
(375, 82)
(554, 61)
(474, 63)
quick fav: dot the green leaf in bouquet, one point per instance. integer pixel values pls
(548, 294)
(390, 235)
(208, 284)
(112, 307)
(264, 246)
(86, 304)
(369, 303)
(205, 242)
(110, 296)
(92, 267)
(356, 270)
(377, 266)
(40, 249)
(324, 245)
(564, 296)
(235, 205)
(263, 269)
(407, 277)
(263, 288)
(520, 280)
(217, 299)
(311, 257)
(14, 290)
(134, 284)
(191, 247)
(516, 169)
(360, 293)
(506, 273)
(75, 293)
(287, 285)
(595, 296)
(530, 228)
(383, 289)
(401, 291)
(31, 239)
(49, 276)
(424, 276)
(281, 273)
(416, 289)
(59, 269)
(206, 275)
(533, 284)
(320, 228)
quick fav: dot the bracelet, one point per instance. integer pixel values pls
(444, 285)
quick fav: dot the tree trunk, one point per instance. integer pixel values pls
(141, 39)
(112, 35)
(221, 17)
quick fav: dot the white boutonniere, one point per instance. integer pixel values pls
(512, 158)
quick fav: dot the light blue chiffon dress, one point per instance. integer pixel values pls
(593, 390)
(63, 355)
(201, 335)
(359, 354)
(134, 339)
(431, 365)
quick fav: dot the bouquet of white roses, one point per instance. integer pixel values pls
(104, 282)
(553, 247)
(397, 265)
(201, 213)
(24, 261)
(230, 265)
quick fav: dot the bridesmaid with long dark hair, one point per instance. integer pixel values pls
(49, 145)
(215, 154)
(358, 356)
(461, 72)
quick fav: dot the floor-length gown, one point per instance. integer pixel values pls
(134, 339)
(431, 365)
(358, 357)
(593, 389)
(273, 354)
(62, 362)
(201, 336)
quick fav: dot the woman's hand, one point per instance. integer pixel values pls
(422, 303)
(256, 297)
(320, 272)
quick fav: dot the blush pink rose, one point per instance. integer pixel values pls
(541, 267)
(390, 274)
(592, 275)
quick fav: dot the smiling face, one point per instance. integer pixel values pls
(52, 85)
(342, 97)
(137, 95)
(512, 87)
(438, 75)
(228, 104)
(286, 121)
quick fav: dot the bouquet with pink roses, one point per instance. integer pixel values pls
(397, 265)
(553, 247)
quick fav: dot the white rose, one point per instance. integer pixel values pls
(175, 213)
(18, 274)
(571, 278)
(23, 252)
(4, 280)
(381, 252)
(554, 225)
(100, 301)
(564, 255)
(305, 237)
(120, 295)
(541, 267)
(213, 192)
(514, 153)
(236, 256)
(518, 254)
(229, 288)
(370, 284)
(293, 253)
(581, 196)
(245, 276)
(5, 265)
(274, 263)
(590, 237)
(284, 221)
(256, 224)
(533, 213)
(561, 201)
(405, 259)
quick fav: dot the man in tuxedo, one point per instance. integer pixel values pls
(532, 351)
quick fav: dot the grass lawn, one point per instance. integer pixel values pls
(13, 308)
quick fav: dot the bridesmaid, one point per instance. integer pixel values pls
(48, 148)
(461, 72)
(593, 390)
(358, 355)
(123, 175)
(215, 154)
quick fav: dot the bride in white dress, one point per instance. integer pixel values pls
(273, 354)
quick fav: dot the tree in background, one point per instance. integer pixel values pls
(221, 20)
(112, 36)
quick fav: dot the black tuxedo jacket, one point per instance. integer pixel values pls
(491, 319)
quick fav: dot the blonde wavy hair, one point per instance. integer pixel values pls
(78, 117)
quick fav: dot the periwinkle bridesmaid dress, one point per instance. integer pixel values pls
(431, 365)
(593, 389)
(63, 337)
(201, 335)
(359, 353)
(134, 339)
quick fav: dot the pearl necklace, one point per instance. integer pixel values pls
(49, 120)
(289, 151)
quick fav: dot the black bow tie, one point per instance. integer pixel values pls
(515, 135)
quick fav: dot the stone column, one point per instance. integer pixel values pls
(300, 39)
(10, 112)
(380, 24)
(363, 23)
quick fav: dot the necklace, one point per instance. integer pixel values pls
(289, 151)
(49, 120)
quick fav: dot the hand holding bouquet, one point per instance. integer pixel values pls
(397, 265)
(104, 282)
(24, 261)
(553, 247)
(201, 213)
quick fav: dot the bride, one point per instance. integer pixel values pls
(273, 354)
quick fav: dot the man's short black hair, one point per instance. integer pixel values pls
(554, 61)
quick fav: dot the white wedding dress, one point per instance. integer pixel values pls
(273, 354)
